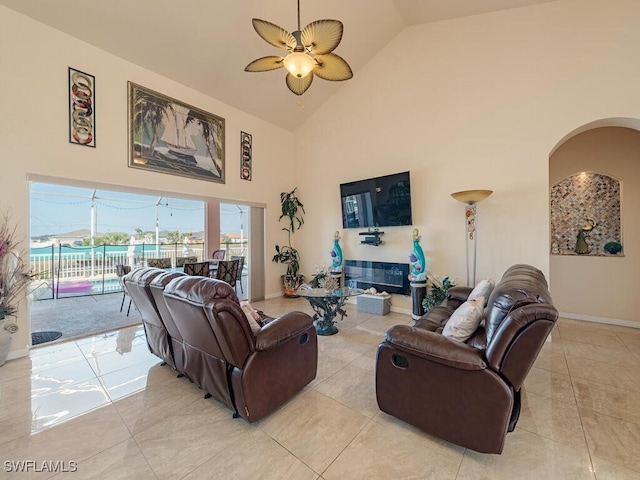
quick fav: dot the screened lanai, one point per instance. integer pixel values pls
(80, 235)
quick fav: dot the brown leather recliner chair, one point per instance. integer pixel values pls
(467, 393)
(156, 287)
(252, 374)
(137, 285)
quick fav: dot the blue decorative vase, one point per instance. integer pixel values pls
(417, 260)
(613, 248)
(336, 254)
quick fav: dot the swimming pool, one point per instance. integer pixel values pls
(67, 288)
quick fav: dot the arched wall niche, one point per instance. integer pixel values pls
(599, 287)
(585, 215)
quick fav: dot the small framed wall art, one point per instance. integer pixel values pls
(82, 114)
(245, 156)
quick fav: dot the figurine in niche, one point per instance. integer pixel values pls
(336, 254)
(581, 243)
(417, 261)
(613, 248)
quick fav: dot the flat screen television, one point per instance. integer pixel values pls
(377, 202)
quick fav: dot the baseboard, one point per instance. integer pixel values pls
(401, 310)
(274, 295)
(610, 321)
(18, 354)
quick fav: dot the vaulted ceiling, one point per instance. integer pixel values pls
(205, 44)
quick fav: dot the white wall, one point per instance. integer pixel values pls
(477, 102)
(34, 136)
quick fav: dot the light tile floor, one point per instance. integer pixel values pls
(106, 403)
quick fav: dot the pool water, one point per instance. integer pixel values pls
(110, 285)
(87, 287)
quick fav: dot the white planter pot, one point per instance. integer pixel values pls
(5, 345)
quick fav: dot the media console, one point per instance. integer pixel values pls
(383, 276)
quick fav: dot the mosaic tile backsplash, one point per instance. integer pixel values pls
(585, 215)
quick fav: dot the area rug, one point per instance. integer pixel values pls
(43, 337)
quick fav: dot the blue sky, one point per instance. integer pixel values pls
(57, 209)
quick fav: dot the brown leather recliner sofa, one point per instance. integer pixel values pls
(251, 373)
(196, 325)
(138, 284)
(467, 393)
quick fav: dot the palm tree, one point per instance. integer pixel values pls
(110, 238)
(173, 236)
(212, 137)
(149, 115)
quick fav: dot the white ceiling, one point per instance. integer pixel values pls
(205, 44)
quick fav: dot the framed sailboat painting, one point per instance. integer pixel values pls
(169, 136)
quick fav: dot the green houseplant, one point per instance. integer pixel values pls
(438, 292)
(292, 209)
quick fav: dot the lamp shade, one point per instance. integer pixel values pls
(471, 196)
(299, 64)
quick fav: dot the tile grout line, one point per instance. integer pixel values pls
(584, 432)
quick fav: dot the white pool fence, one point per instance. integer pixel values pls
(72, 271)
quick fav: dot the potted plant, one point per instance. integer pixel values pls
(292, 209)
(438, 292)
(14, 283)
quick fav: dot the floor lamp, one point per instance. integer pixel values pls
(471, 199)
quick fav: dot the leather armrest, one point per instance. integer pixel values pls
(435, 347)
(459, 293)
(264, 318)
(282, 329)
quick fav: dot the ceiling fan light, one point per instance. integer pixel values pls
(299, 64)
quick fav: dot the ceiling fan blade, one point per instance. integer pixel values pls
(299, 85)
(274, 35)
(265, 64)
(322, 36)
(332, 67)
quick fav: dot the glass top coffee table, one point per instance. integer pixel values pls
(327, 304)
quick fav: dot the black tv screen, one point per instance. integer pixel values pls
(377, 202)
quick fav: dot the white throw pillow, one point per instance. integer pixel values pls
(465, 320)
(252, 316)
(483, 289)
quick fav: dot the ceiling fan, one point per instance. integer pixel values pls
(310, 52)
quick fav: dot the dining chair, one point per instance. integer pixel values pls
(199, 269)
(180, 261)
(240, 259)
(218, 254)
(159, 262)
(228, 272)
(121, 271)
